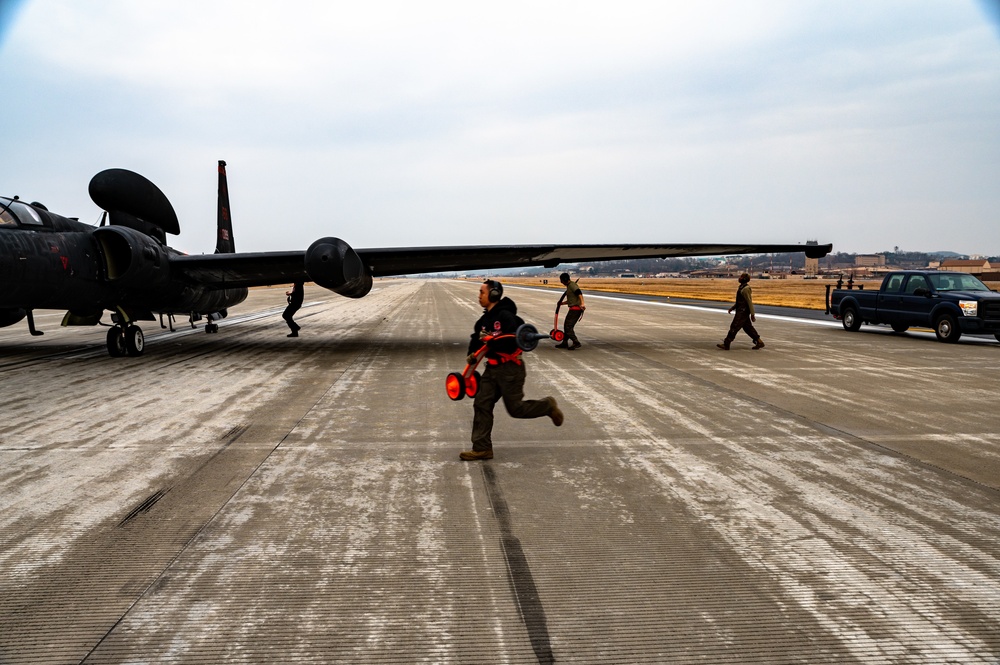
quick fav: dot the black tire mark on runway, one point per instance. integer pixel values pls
(143, 507)
(529, 605)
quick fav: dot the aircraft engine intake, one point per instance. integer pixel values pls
(334, 265)
(132, 258)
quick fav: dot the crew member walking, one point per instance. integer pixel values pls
(744, 316)
(574, 300)
(295, 297)
(504, 375)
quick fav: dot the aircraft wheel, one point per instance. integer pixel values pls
(455, 385)
(211, 328)
(116, 342)
(135, 341)
(947, 329)
(851, 320)
(899, 328)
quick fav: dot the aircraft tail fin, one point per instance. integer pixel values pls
(224, 243)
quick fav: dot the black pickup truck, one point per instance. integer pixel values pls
(952, 303)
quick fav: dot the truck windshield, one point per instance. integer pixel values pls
(957, 282)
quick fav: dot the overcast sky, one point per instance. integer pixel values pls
(866, 124)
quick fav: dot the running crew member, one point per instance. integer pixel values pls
(504, 375)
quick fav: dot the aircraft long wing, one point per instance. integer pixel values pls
(264, 268)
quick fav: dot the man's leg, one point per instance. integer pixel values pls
(752, 332)
(734, 328)
(511, 377)
(482, 409)
(287, 316)
(572, 316)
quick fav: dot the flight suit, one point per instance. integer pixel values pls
(294, 303)
(573, 301)
(744, 309)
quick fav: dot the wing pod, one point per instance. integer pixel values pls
(334, 265)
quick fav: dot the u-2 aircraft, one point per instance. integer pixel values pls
(125, 266)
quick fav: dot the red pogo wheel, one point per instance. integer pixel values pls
(455, 385)
(472, 384)
(557, 334)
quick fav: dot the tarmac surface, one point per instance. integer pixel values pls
(244, 497)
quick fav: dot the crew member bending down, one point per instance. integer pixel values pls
(744, 316)
(295, 297)
(504, 375)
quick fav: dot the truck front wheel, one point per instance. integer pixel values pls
(946, 329)
(851, 320)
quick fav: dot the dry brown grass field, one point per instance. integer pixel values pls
(805, 293)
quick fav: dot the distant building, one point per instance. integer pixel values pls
(869, 260)
(971, 266)
(812, 266)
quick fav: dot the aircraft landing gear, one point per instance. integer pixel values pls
(125, 341)
(211, 328)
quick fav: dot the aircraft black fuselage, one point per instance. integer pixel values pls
(65, 264)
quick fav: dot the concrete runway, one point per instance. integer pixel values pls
(245, 497)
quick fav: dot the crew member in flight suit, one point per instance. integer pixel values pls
(295, 297)
(744, 316)
(574, 300)
(504, 375)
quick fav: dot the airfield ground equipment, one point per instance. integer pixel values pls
(557, 334)
(466, 382)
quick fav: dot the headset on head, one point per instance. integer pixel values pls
(495, 290)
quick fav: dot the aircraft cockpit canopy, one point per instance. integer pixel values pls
(15, 213)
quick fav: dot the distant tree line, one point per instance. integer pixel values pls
(759, 262)
(763, 262)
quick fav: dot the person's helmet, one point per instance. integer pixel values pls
(744, 278)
